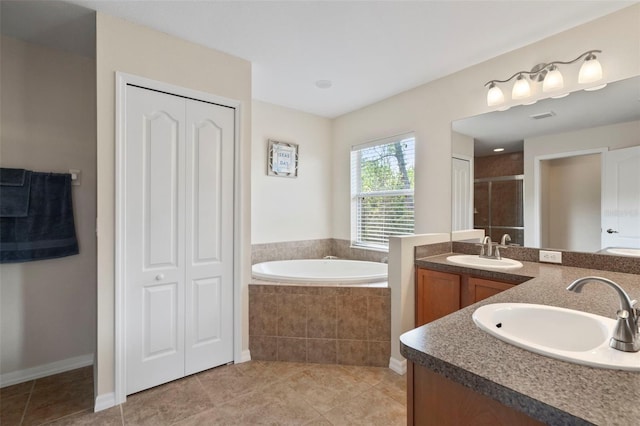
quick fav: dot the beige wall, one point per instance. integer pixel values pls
(123, 46)
(462, 145)
(429, 109)
(572, 202)
(47, 307)
(290, 209)
(614, 136)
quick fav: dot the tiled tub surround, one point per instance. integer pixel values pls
(327, 325)
(312, 249)
(550, 390)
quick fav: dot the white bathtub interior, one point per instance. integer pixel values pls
(325, 271)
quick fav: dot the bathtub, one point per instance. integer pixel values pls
(321, 271)
(320, 311)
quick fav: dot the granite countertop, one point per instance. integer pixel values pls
(550, 390)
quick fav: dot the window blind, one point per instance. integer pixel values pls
(382, 191)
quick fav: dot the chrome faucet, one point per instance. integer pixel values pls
(489, 249)
(626, 336)
(486, 248)
(506, 238)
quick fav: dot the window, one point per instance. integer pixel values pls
(382, 182)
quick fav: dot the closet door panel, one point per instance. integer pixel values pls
(207, 300)
(207, 191)
(160, 189)
(160, 320)
(209, 240)
(154, 253)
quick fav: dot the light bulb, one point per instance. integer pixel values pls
(590, 71)
(494, 95)
(553, 80)
(521, 88)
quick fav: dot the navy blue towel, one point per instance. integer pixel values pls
(15, 185)
(48, 231)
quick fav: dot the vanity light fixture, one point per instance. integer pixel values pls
(494, 95)
(591, 70)
(553, 80)
(550, 76)
(521, 88)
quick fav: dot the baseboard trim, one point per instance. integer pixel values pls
(245, 356)
(399, 366)
(105, 401)
(15, 377)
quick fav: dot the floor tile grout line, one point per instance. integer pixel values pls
(213, 404)
(55, 419)
(24, 412)
(197, 376)
(121, 414)
(285, 382)
(375, 388)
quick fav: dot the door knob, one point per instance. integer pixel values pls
(611, 231)
(159, 277)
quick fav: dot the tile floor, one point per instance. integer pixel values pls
(256, 392)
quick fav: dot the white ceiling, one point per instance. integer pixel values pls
(370, 50)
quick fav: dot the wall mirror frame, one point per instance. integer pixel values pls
(566, 146)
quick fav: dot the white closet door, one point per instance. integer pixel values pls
(461, 186)
(154, 221)
(209, 237)
(621, 198)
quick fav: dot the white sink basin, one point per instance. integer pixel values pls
(565, 334)
(624, 251)
(481, 262)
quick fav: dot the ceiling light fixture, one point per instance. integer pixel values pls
(549, 74)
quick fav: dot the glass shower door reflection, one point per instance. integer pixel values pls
(498, 207)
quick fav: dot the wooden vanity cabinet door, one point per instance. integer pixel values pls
(481, 289)
(437, 295)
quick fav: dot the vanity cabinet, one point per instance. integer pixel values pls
(432, 399)
(441, 293)
(481, 288)
(437, 295)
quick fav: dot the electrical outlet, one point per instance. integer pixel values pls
(550, 256)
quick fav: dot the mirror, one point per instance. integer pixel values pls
(551, 185)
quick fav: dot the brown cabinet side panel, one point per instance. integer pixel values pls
(410, 407)
(439, 401)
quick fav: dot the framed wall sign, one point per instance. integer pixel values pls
(282, 159)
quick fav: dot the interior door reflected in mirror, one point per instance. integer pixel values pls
(558, 174)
